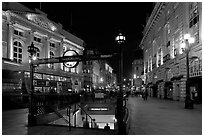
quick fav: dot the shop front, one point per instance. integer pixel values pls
(196, 89)
(168, 90)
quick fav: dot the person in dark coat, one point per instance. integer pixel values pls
(107, 127)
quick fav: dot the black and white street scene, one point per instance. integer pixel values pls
(101, 68)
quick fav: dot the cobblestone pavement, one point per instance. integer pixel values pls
(163, 117)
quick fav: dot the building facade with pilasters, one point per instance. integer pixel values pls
(164, 49)
(22, 26)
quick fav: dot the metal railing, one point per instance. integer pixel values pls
(86, 124)
(41, 101)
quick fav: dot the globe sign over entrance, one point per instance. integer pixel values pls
(73, 63)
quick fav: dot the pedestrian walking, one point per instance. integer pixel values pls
(107, 127)
(85, 123)
(145, 94)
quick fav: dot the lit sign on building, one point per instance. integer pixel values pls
(98, 109)
(41, 21)
(70, 64)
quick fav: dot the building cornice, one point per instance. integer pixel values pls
(152, 20)
(34, 24)
(73, 44)
(43, 35)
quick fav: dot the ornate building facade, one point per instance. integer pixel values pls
(137, 73)
(22, 26)
(98, 74)
(164, 53)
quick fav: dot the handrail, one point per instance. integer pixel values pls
(59, 114)
(86, 114)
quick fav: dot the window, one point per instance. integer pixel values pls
(37, 39)
(53, 45)
(194, 15)
(73, 70)
(168, 27)
(159, 57)
(197, 36)
(17, 32)
(51, 56)
(17, 51)
(168, 44)
(37, 53)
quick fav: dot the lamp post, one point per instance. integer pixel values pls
(31, 116)
(120, 39)
(188, 40)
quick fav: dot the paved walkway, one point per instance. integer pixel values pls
(163, 117)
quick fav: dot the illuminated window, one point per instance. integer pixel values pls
(17, 52)
(73, 70)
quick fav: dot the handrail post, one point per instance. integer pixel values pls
(69, 118)
(86, 119)
(75, 116)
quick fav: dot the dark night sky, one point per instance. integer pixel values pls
(97, 23)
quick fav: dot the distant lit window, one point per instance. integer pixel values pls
(17, 52)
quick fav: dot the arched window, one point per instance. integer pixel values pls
(51, 56)
(17, 52)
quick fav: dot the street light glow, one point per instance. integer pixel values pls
(187, 36)
(34, 57)
(191, 40)
(134, 76)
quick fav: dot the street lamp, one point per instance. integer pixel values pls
(188, 40)
(120, 39)
(31, 116)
